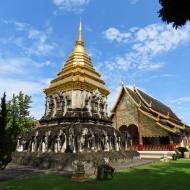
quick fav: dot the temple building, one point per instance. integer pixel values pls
(77, 89)
(76, 118)
(76, 124)
(147, 123)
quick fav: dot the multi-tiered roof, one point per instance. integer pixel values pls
(78, 73)
(163, 116)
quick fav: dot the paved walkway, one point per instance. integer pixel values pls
(133, 163)
(14, 171)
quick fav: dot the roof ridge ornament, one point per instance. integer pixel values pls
(134, 86)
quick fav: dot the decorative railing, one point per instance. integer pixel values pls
(153, 147)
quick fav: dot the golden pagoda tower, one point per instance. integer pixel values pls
(75, 121)
(78, 72)
(78, 87)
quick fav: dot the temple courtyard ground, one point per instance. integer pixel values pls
(158, 176)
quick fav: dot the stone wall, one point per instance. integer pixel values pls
(66, 161)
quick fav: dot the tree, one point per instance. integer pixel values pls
(19, 114)
(175, 11)
(14, 119)
(5, 143)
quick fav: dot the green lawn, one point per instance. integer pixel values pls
(157, 176)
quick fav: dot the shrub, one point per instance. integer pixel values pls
(182, 150)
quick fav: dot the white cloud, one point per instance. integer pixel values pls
(93, 52)
(20, 66)
(11, 86)
(23, 74)
(181, 100)
(157, 38)
(33, 87)
(12, 65)
(112, 34)
(146, 44)
(181, 106)
(23, 53)
(167, 75)
(133, 1)
(71, 5)
(28, 87)
(29, 39)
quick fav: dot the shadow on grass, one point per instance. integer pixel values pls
(158, 176)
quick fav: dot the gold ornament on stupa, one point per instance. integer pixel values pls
(78, 73)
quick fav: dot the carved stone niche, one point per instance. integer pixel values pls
(49, 107)
(68, 101)
(87, 101)
(95, 103)
(102, 108)
(58, 97)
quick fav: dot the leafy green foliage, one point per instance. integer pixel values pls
(175, 11)
(19, 114)
(5, 136)
(14, 119)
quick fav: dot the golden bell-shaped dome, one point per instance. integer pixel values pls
(78, 73)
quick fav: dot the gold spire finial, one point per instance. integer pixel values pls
(80, 25)
(79, 44)
(79, 38)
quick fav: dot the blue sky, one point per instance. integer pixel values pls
(125, 39)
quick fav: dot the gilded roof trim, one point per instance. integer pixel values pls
(166, 128)
(157, 119)
(165, 116)
(149, 115)
(138, 105)
(175, 125)
(146, 103)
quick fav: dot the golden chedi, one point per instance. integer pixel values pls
(78, 72)
(75, 126)
(78, 87)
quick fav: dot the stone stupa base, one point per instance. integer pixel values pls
(64, 161)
